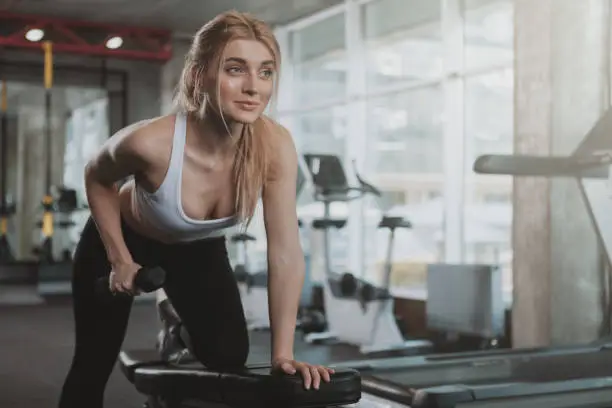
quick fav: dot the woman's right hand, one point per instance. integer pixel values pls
(122, 277)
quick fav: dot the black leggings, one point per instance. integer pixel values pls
(200, 285)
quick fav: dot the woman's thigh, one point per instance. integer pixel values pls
(202, 288)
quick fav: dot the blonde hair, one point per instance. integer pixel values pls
(203, 63)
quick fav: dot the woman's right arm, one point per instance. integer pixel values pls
(121, 156)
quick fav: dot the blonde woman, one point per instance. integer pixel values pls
(194, 174)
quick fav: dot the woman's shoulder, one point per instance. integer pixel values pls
(161, 127)
(156, 125)
(281, 147)
(148, 137)
(274, 129)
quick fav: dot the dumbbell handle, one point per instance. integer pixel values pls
(146, 280)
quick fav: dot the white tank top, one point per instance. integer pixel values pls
(163, 209)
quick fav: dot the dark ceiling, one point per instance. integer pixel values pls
(181, 16)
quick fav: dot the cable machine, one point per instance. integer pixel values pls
(6, 208)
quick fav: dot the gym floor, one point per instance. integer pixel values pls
(36, 344)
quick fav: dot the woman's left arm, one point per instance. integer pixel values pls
(285, 260)
(285, 256)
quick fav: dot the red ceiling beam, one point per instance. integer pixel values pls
(86, 38)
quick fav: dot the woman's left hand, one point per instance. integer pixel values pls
(312, 374)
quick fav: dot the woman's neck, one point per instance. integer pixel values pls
(217, 134)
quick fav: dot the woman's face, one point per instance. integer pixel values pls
(246, 81)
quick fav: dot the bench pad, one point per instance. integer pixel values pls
(250, 387)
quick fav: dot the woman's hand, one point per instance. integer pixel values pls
(312, 374)
(122, 277)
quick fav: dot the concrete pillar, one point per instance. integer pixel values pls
(561, 85)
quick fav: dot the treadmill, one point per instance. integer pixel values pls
(573, 376)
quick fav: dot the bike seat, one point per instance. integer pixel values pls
(257, 280)
(241, 273)
(252, 386)
(242, 237)
(325, 223)
(371, 293)
(394, 222)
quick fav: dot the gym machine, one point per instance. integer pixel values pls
(45, 251)
(58, 204)
(6, 208)
(574, 376)
(17, 278)
(357, 312)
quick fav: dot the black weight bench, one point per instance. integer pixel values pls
(189, 384)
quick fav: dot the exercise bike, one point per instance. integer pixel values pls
(357, 312)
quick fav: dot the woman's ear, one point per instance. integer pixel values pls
(209, 84)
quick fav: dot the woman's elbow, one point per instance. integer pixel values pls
(300, 266)
(99, 171)
(89, 175)
(286, 262)
(89, 170)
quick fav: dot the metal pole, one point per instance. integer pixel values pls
(48, 221)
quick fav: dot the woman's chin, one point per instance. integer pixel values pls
(246, 118)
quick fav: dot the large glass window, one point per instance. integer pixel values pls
(488, 33)
(405, 133)
(318, 57)
(412, 103)
(489, 106)
(404, 139)
(405, 160)
(402, 41)
(321, 131)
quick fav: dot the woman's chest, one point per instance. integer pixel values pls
(207, 191)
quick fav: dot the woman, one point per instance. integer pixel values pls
(194, 174)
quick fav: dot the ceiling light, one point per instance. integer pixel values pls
(34, 34)
(114, 42)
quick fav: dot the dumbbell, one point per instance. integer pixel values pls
(147, 279)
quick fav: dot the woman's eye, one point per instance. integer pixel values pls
(234, 70)
(267, 73)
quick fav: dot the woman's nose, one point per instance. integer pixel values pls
(250, 85)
